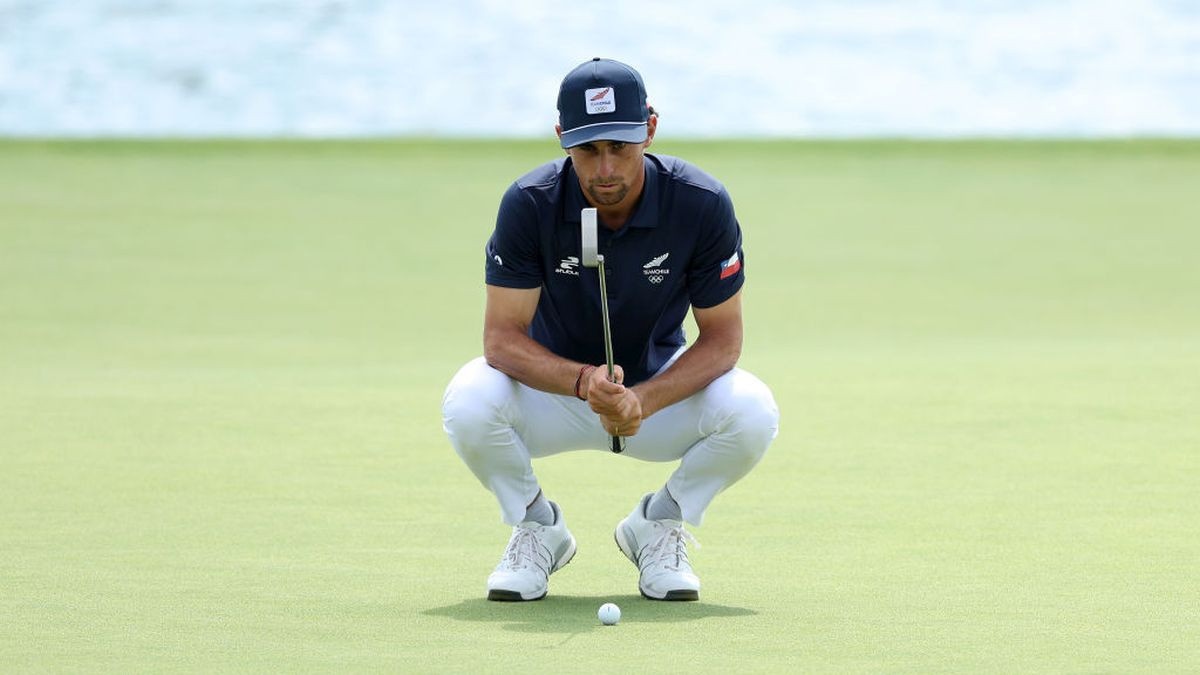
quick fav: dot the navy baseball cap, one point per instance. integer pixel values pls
(602, 100)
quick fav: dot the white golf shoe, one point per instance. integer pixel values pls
(534, 552)
(659, 549)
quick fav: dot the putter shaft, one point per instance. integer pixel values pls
(618, 442)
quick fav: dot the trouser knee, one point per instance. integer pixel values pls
(475, 405)
(752, 417)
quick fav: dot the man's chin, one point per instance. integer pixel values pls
(608, 197)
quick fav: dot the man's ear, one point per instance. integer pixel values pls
(558, 131)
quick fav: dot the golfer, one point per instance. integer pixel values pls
(670, 242)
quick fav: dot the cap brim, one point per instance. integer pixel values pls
(625, 132)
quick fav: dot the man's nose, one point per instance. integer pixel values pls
(608, 164)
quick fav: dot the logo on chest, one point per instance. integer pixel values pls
(654, 271)
(568, 265)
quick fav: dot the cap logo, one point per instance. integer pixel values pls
(600, 101)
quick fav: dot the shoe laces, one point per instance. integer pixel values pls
(525, 549)
(669, 549)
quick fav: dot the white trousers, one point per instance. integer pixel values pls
(497, 425)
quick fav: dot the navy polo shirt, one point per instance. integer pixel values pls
(681, 246)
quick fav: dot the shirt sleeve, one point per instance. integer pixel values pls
(512, 250)
(717, 270)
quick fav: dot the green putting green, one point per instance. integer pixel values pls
(221, 369)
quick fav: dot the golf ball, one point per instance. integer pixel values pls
(609, 614)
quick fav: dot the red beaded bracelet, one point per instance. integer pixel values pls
(579, 380)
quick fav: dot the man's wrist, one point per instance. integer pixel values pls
(580, 379)
(643, 400)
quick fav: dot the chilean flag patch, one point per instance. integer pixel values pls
(730, 267)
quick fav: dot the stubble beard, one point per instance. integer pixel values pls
(607, 198)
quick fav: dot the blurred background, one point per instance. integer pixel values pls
(349, 68)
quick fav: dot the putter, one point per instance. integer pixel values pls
(591, 258)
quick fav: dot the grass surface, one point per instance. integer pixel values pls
(221, 367)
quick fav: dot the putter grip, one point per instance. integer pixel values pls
(618, 444)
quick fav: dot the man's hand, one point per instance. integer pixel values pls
(619, 408)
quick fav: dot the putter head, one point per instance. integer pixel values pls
(587, 235)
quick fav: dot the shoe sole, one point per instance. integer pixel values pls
(674, 596)
(503, 595)
(681, 595)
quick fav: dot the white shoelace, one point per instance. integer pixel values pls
(524, 550)
(669, 550)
